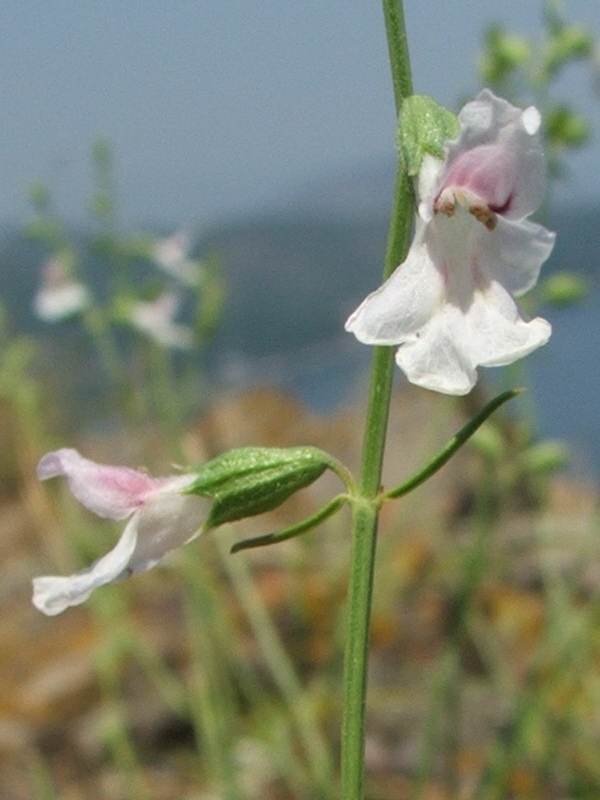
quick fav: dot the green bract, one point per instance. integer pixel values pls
(423, 127)
(250, 480)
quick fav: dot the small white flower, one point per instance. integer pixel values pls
(161, 517)
(155, 320)
(59, 296)
(171, 255)
(450, 304)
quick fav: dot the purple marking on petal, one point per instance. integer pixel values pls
(113, 492)
(504, 209)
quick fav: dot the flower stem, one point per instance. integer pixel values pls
(365, 511)
(393, 13)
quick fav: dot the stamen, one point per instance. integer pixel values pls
(485, 215)
(447, 200)
(446, 208)
(445, 203)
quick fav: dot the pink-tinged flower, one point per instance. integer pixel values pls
(450, 304)
(59, 296)
(172, 256)
(155, 320)
(161, 517)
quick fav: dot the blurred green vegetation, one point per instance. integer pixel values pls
(218, 676)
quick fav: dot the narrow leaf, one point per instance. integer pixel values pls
(457, 441)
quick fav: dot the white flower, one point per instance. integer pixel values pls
(59, 296)
(171, 255)
(162, 517)
(450, 304)
(155, 320)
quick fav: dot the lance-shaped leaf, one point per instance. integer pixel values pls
(457, 441)
(251, 480)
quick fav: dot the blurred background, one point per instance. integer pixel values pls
(266, 131)
(217, 110)
(193, 198)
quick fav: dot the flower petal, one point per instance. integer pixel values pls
(516, 253)
(489, 332)
(113, 492)
(403, 304)
(430, 175)
(55, 303)
(498, 156)
(497, 334)
(167, 521)
(450, 306)
(155, 320)
(171, 255)
(434, 357)
(52, 594)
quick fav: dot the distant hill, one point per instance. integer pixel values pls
(292, 279)
(293, 282)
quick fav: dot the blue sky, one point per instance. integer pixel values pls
(216, 107)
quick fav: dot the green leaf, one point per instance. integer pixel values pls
(423, 127)
(457, 441)
(250, 480)
(43, 229)
(488, 442)
(39, 196)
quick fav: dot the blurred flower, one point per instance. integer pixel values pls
(171, 255)
(155, 319)
(59, 296)
(162, 517)
(450, 304)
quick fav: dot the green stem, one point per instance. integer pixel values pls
(395, 29)
(365, 511)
